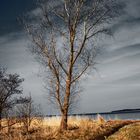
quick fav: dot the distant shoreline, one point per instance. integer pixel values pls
(123, 111)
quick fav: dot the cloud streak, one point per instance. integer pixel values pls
(116, 85)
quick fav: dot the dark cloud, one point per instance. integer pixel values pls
(9, 11)
(130, 16)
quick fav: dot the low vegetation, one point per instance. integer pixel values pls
(129, 132)
(78, 129)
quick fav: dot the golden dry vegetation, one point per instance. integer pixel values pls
(129, 132)
(79, 128)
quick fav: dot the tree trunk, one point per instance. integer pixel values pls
(0, 121)
(64, 119)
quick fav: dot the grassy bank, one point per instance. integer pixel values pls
(129, 132)
(79, 129)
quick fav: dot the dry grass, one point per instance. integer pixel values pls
(129, 132)
(79, 129)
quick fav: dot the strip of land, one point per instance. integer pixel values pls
(78, 129)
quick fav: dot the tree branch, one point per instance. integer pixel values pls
(82, 72)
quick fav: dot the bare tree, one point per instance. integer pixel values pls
(28, 112)
(10, 87)
(10, 117)
(64, 35)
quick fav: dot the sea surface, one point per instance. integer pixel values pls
(106, 116)
(123, 116)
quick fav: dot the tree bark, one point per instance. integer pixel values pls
(64, 119)
(0, 121)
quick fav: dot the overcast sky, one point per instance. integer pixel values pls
(114, 85)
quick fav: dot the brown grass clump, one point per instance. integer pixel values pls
(78, 129)
(129, 132)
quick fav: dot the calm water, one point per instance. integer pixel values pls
(124, 116)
